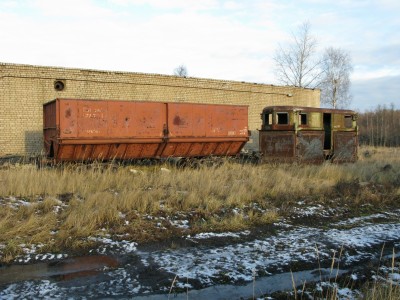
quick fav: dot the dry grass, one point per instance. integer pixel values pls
(379, 291)
(65, 205)
(380, 287)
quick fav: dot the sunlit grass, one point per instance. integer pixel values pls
(66, 204)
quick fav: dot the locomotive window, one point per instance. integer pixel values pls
(302, 119)
(348, 121)
(268, 119)
(283, 118)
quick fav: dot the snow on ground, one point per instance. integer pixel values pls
(368, 219)
(111, 246)
(365, 236)
(205, 265)
(207, 235)
(341, 293)
(272, 253)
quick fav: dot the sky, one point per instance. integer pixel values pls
(220, 39)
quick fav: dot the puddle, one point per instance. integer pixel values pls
(65, 269)
(257, 288)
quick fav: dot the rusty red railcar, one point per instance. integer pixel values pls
(87, 130)
(308, 134)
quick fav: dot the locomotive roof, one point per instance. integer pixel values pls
(307, 109)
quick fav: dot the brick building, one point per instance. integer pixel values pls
(24, 89)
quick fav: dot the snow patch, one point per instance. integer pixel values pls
(208, 235)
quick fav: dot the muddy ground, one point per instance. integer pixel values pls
(314, 249)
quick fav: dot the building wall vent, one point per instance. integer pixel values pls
(59, 85)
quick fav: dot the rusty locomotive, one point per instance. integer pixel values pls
(89, 130)
(308, 134)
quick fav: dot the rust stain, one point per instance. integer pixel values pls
(178, 121)
(68, 113)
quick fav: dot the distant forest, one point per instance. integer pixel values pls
(380, 127)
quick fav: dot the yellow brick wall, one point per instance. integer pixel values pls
(24, 88)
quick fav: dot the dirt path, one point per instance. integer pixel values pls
(217, 266)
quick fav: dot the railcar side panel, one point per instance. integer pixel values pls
(49, 126)
(278, 145)
(67, 119)
(310, 146)
(186, 120)
(136, 119)
(345, 146)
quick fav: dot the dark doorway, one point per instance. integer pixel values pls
(328, 130)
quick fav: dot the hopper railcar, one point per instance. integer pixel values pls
(88, 130)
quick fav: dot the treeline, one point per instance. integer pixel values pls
(380, 127)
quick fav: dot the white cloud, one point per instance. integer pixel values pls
(370, 93)
(233, 5)
(362, 73)
(71, 8)
(214, 38)
(210, 46)
(7, 4)
(389, 4)
(187, 5)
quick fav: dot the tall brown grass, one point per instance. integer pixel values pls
(64, 205)
(380, 291)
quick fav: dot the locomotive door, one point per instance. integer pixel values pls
(327, 119)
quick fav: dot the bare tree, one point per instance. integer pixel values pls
(380, 127)
(298, 65)
(181, 71)
(335, 85)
